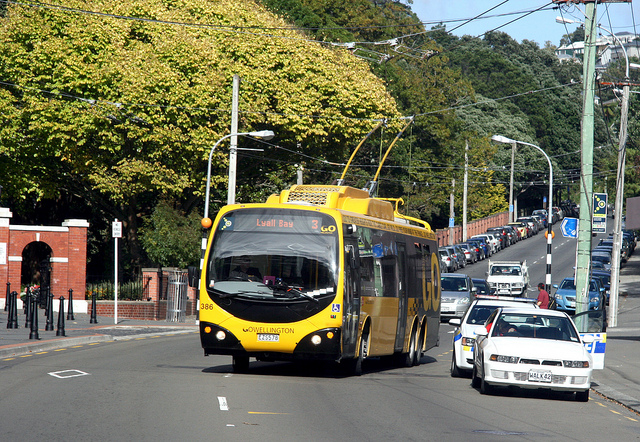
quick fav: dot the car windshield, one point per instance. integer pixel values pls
(453, 284)
(568, 284)
(480, 313)
(505, 270)
(534, 325)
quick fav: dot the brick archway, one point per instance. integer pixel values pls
(68, 258)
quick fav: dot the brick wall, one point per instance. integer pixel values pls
(144, 310)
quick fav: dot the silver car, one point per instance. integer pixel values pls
(457, 292)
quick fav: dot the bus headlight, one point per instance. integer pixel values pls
(220, 335)
(316, 339)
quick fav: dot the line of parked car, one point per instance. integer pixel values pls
(479, 247)
(600, 283)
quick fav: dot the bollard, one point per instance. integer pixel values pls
(49, 325)
(14, 307)
(94, 318)
(9, 311)
(70, 316)
(12, 320)
(33, 333)
(60, 331)
(27, 308)
(6, 298)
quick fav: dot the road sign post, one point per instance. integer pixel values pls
(116, 231)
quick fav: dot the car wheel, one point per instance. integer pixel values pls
(484, 387)
(455, 371)
(475, 382)
(582, 396)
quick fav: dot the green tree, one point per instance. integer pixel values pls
(120, 112)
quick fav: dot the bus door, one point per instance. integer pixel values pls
(402, 297)
(351, 307)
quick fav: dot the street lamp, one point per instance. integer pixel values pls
(501, 139)
(261, 134)
(622, 153)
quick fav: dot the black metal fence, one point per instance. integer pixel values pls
(137, 289)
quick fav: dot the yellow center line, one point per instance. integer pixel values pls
(60, 349)
(9, 359)
(631, 419)
(602, 405)
(77, 346)
(139, 339)
(95, 343)
(42, 353)
(26, 356)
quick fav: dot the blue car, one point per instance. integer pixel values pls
(565, 295)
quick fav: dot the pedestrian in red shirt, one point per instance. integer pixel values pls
(543, 297)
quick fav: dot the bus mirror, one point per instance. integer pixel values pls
(194, 276)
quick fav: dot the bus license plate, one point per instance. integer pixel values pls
(268, 337)
(540, 376)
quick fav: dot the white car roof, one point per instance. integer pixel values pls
(542, 312)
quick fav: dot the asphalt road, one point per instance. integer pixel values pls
(164, 389)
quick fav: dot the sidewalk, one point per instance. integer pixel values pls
(79, 331)
(620, 379)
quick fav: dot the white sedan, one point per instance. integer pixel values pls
(538, 349)
(464, 334)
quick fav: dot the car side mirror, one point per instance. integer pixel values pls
(455, 322)
(481, 331)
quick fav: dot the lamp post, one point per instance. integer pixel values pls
(501, 139)
(617, 225)
(262, 134)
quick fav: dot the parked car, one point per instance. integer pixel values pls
(482, 243)
(531, 349)
(464, 333)
(603, 257)
(565, 295)
(457, 292)
(491, 241)
(502, 236)
(558, 212)
(459, 255)
(480, 253)
(543, 214)
(514, 235)
(522, 228)
(531, 223)
(469, 253)
(448, 260)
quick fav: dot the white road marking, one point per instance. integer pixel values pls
(223, 403)
(68, 374)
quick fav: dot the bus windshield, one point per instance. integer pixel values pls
(274, 254)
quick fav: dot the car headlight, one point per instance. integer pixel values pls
(502, 358)
(468, 341)
(492, 284)
(576, 364)
(558, 297)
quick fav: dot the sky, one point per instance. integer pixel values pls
(539, 26)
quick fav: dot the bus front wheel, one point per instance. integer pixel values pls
(240, 363)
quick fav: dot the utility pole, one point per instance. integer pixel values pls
(233, 152)
(512, 216)
(465, 191)
(583, 260)
(617, 229)
(452, 215)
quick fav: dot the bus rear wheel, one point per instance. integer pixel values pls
(240, 363)
(410, 357)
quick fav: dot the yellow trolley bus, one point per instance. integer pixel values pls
(319, 273)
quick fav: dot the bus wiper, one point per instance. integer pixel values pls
(223, 295)
(283, 286)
